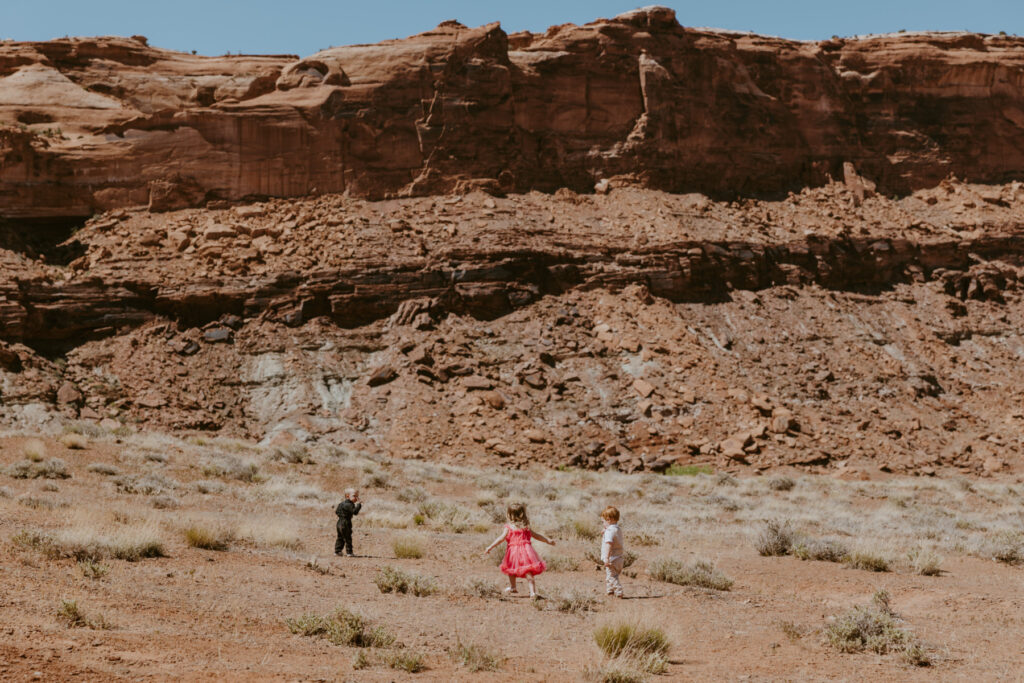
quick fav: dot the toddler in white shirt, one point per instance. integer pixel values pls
(612, 551)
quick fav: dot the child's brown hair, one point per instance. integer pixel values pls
(516, 513)
(611, 514)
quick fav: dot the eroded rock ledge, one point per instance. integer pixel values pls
(97, 123)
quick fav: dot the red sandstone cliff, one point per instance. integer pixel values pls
(108, 122)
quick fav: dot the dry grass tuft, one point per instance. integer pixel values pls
(632, 647)
(34, 450)
(407, 548)
(391, 580)
(869, 560)
(925, 562)
(781, 483)
(91, 539)
(823, 550)
(582, 529)
(1004, 546)
(208, 538)
(74, 441)
(341, 628)
(561, 563)
(476, 658)
(404, 660)
(479, 588)
(575, 602)
(74, 617)
(93, 570)
(700, 573)
(272, 533)
(104, 469)
(315, 565)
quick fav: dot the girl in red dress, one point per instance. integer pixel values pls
(521, 560)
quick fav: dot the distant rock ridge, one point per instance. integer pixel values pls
(91, 124)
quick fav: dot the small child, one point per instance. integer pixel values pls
(521, 560)
(346, 509)
(612, 551)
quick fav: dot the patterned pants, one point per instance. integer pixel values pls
(611, 576)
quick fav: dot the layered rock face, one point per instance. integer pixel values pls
(527, 247)
(94, 124)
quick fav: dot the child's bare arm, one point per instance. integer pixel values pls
(498, 540)
(542, 538)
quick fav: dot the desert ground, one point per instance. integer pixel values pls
(145, 556)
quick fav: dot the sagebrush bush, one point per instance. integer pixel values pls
(775, 539)
(391, 580)
(377, 480)
(295, 454)
(874, 628)
(479, 588)
(700, 573)
(341, 628)
(575, 602)
(476, 657)
(781, 484)
(104, 469)
(1004, 546)
(146, 485)
(231, 467)
(54, 468)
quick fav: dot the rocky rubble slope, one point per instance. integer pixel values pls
(90, 124)
(836, 329)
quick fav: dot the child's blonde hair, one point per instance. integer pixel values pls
(516, 513)
(611, 513)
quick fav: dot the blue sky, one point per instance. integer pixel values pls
(302, 27)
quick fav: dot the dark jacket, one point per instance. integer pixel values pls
(346, 510)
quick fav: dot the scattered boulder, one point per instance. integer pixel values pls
(68, 394)
(381, 375)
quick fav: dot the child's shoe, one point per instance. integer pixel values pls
(510, 591)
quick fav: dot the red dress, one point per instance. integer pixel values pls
(520, 557)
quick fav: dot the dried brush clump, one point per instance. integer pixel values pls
(700, 573)
(875, 628)
(342, 627)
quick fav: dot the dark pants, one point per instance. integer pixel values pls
(344, 539)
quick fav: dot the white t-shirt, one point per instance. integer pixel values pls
(611, 543)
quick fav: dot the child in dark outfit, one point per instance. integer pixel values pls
(347, 509)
